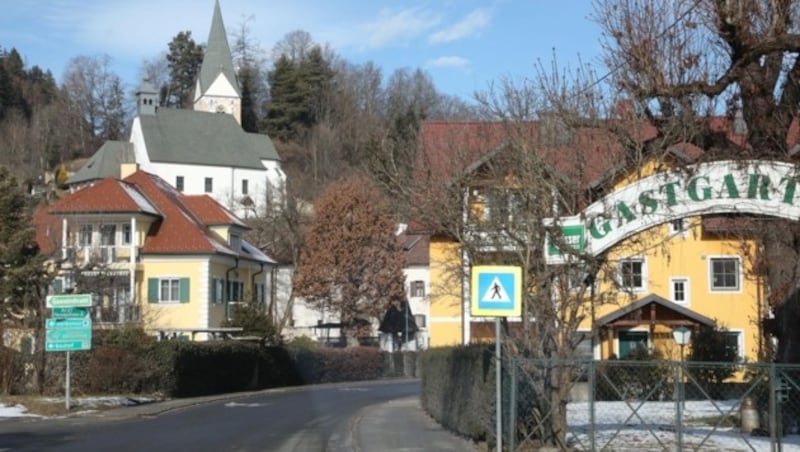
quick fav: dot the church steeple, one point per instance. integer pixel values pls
(217, 88)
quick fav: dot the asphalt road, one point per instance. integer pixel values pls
(370, 416)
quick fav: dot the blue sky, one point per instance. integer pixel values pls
(463, 44)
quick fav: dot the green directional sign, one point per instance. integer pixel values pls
(67, 346)
(70, 300)
(70, 313)
(77, 334)
(67, 323)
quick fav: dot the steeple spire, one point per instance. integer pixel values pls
(217, 71)
(217, 57)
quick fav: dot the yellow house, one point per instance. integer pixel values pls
(673, 254)
(150, 254)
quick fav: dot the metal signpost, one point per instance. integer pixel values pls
(496, 291)
(70, 328)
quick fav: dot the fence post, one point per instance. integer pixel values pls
(592, 370)
(512, 407)
(678, 408)
(773, 393)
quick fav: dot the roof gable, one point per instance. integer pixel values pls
(656, 301)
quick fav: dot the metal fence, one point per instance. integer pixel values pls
(654, 405)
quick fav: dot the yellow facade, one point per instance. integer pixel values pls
(679, 263)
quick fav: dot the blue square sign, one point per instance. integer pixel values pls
(496, 291)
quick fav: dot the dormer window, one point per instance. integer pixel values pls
(236, 242)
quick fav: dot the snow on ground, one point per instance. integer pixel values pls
(7, 411)
(652, 426)
(82, 404)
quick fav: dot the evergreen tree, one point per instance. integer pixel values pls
(184, 59)
(298, 94)
(23, 280)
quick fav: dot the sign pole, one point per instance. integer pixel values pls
(66, 385)
(498, 376)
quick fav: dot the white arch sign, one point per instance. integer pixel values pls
(752, 186)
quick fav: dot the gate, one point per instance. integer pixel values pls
(656, 405)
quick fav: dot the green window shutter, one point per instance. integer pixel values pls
(58, 286)
(152, 290)
(184, 285)
(213, 290)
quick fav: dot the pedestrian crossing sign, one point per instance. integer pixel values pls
(496, 291)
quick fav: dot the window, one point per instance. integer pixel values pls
(235, 291)
(126, 234)
(417, 288)
(578, 277)
(677, 226)
(108, 233)
(679, 290)
(733, 339)
(244, 186)
(168, 290)
(724, 273)
(420, 320)
(209, 185)
(179, 183)
(632, 274)
(85, 235)
(217, 290)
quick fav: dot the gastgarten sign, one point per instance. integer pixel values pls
(752, 187)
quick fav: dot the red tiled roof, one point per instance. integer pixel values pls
(48, 230)
(109, 195)
(211, 212)
(181, 228)
(416, 247)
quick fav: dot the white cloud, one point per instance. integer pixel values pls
(473, 22)
(394, 26)
(448, 61)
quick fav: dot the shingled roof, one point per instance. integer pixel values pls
(201, 138)
(105, 162)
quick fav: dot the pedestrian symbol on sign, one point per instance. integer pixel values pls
(496, 293)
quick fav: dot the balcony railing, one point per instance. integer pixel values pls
(119, 314)
(98, 254)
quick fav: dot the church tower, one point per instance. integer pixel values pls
(217, 88)
(146, 98)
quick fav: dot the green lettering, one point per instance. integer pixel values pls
(624, 212)
(758, 185)
(705, 190)
(598, 234)
(788, 194)
(649, 205)
(669, 188)
(729, 185)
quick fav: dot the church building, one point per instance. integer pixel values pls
(200, 151)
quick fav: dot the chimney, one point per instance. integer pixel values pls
(126, 169)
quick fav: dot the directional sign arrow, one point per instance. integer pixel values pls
(67, 323)
(69, 334)
(70, 313)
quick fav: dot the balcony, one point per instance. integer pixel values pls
(97, 254)
(119, 314)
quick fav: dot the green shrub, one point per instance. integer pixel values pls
(458, 387)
